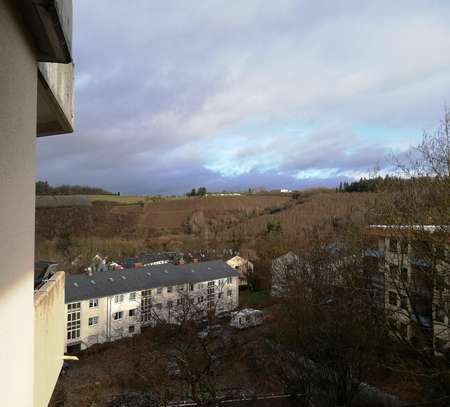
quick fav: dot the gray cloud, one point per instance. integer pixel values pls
(158, 81)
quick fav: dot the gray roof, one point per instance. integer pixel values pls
(105, 283)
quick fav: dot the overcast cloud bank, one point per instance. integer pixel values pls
(173, 95)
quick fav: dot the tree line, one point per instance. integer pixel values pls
(197, 192)
(44, 188)
(375, 184)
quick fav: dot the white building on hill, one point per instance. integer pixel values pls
(110, 305)
(243, 266)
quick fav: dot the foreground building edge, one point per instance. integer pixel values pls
(30, 33)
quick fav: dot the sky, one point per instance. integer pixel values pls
(230, 95)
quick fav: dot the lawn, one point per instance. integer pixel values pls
(255, 299)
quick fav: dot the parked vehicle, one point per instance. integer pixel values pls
(246, 318)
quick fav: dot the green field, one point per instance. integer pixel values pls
(53, 201)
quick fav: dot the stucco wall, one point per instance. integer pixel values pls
(243, 266)
(18, 82)
(108, 329)
(49, 324)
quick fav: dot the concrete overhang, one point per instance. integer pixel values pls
(55, 99)
(50, 24)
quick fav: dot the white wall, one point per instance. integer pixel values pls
(18, 84)
(108, 329)
(49, 337)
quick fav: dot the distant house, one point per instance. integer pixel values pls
(285, 191)
(243, 266)
(283, 268)
(152, 259)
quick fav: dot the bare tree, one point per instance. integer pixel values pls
(323, 342)
(415, 262)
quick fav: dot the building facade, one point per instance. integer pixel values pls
(243, 266)
(411, 281)
(283, 269)
(106, 306)
(36, 99)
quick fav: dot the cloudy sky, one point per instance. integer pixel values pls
(172, 95)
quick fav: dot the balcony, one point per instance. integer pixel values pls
(49, 320)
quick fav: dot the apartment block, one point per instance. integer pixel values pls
(410, 278)
(106, 306)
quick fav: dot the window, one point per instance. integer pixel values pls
(229, 293)
(439, 252)
(169, 304)
(118, 298)
(73, 321)
(220, 295)
(180, 301)
(146, 293)
(200, 286)
(191, 287)
(393, 245)
(200, 299)
(93, 302)
(392, 298)
(73, 306)
(403, 330)
(131, 329)
(93, 321)
(210, 299)
(404, 247)
(404, 274)
(159, 290)
(393, 268)
(118, 315)
(132, 312)
(440, 314)
(229, 280)
(132, 297)
(73, 334)
(169, 289)
(404, 302)
(180, 287)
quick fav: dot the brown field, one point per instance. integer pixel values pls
(106, 220)
(118, 230)
(238, 222)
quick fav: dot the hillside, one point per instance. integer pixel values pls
(103, 219)
(117, 230)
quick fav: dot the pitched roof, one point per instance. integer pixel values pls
(102, 284)
(170, 257)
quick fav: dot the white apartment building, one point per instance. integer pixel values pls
(106, 306)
